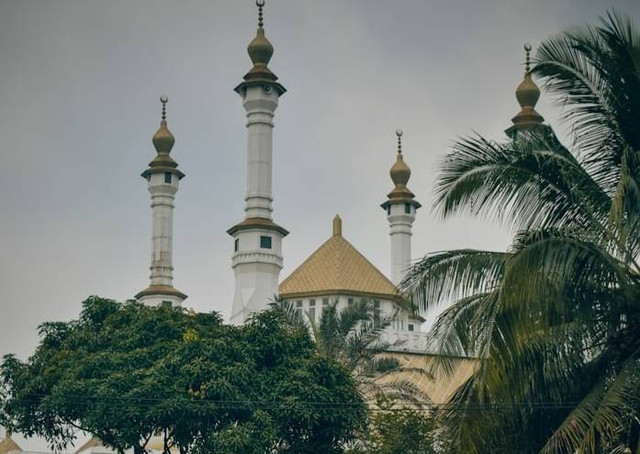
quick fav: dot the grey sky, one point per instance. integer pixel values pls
(79, 88)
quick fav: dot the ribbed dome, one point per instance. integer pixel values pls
(400, 172)
(163, 140)
(527, 92)
(260, 49)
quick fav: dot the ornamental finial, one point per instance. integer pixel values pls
(399, 134)
(164, 100)
(260, 5)
(527, 62)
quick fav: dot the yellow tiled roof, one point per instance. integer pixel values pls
(337, 267)
(93, 442)
(8, 445)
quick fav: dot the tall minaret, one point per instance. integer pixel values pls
(257, 256)
(401, 212)
(162, 177)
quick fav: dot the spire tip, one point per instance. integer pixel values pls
(260, 5)
(164, 100)
(527, 63)
(399, 134)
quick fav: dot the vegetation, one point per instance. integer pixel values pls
(396, 429)
(555, 319)
(397, 419)
(127, 372)
(353, 336)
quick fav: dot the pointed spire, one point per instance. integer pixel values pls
(163, 140)
(260, 52)
(260, 49)
(260, 5)
(527, 95)
(400, 171)
(337, 226)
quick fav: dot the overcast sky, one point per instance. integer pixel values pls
(79, 88)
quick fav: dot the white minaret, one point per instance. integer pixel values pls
(257, 256)
(162, 177)
(401, 212)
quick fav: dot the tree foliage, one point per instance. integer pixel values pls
(555, 319)
(397, 429)
(126, 372)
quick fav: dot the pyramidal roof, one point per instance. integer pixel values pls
(92, 443)
(337, 268)
(8, 445)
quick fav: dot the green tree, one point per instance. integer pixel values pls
(554, 321)
(397, 429)
(354, 336)
(127, 372)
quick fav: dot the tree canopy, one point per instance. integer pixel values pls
(554, 320)
(127, 372)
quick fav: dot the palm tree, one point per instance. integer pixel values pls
(555, 320)
(354, 336)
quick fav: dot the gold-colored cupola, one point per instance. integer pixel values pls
(527, 95)
(260, 51)
(163, 142)
(400, 174)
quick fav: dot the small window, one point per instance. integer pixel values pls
(167, 177)
(236, 245)
(350, 301)
(407, 208)
(265, 242)
(388, 209)
(410, 326)
(376, 304)
(299, 303)
(312, 303)
(325, 301)
(376, 313)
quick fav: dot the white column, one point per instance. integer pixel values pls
(400, 224)
(162, 198)
(260, 104)
(257, 258)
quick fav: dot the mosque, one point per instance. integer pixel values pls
(336, 273)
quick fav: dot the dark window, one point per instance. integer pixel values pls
(407, 208)
(167, 177)
(325, 301)
(265, 242)
(312, 303)
(388, 209)
(410, 326)
(349, 301)
(299, 303)
(236, 245)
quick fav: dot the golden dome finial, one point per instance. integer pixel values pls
(260, 49)
(400, 171)
(527, 95)
(163, 140)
